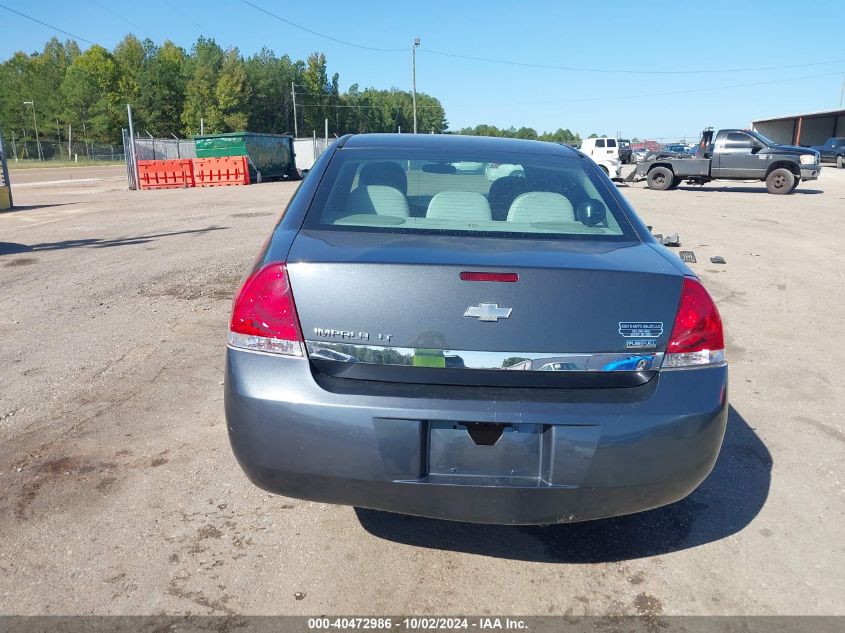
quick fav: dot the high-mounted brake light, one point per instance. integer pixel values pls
(480, 276)
(264, 315)
(697, 337)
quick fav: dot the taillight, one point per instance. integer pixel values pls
(264, 315)
(482, 276)
(697, 337)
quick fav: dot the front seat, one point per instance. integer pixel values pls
(377, 199)
(384, 173)
(503, 191)
(541, 206)
(462, 206)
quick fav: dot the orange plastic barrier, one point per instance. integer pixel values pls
(217, 172)
(165, 174)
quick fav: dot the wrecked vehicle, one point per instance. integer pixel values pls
(734, 155)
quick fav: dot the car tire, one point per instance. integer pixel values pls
(840, 162)
(604, 169)
(675, 182)
(780, 181)
(660, 178)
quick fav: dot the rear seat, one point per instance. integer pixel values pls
(459, 206)
(541, 206)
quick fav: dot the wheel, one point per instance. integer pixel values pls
(675, 182)
(795, 186)
(660, 178)
(604, 169)
(780, 181)
(840, 162)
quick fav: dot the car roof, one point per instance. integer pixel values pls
(454, 142)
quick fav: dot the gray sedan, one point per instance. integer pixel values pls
(370, 345)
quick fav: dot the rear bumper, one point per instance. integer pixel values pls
(810, 172)
(569, 456)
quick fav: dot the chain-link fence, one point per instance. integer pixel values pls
(51, 150)
(164, 148)
(148, 148)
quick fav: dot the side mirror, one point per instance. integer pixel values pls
(591, 212)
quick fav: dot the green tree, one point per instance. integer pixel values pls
(162, 86)
(200, 97)
(269, 78)
(90, 94)
(232, 92)
(315, 79)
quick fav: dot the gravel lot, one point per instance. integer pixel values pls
(120, 494)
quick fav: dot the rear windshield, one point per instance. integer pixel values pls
(519, 195)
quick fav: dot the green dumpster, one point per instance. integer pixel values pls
(269, 155)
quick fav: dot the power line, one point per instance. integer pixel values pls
(120, 17)
(626, 71)
(585, 69)
(377, 107)
(49, 26)
(325, 37)
(189, 18)
(669, 92)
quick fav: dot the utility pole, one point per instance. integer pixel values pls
(35, 121)
(135, 176)
(414, 79)
(293, 96)
(202, 126)
(69, 140)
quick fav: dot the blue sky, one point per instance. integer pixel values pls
(609, 35)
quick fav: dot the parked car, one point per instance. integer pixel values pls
(652, 146)
(361, 265)
(602, 147)
(674, 149)
(734, 155)
(610, 166)
(639, 153)
(625, 151)
(495, 171)
(469, 167)
(833, 151)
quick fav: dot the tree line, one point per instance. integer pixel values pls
(172, 90)
(558, 136)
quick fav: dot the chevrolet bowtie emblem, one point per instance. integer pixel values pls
(488, 312)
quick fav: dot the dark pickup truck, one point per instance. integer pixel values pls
(833, 151)
(734, 155)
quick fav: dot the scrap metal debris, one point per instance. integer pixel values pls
(718, 259)
(672, 240)
(688, 257)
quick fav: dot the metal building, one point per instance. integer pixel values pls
(812, 128)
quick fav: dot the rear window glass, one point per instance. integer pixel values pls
(504, 194)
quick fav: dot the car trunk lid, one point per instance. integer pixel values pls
(577, 305)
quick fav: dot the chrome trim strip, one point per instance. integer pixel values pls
(457, 359)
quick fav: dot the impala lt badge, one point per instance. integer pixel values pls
(488, 312)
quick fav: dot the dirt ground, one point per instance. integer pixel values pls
(120, 494)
